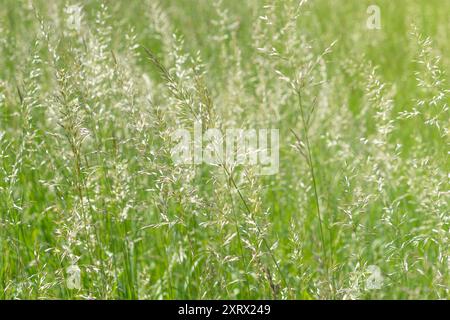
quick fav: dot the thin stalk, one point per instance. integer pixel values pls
(241, 247)
(309, 159)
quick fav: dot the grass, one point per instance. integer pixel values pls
(93, 206)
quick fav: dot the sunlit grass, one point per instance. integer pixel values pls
(93, 206)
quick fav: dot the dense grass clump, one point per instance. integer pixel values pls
(92, 204)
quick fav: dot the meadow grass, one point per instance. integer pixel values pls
(92, 205)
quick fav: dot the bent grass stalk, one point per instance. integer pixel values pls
(309, 159)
